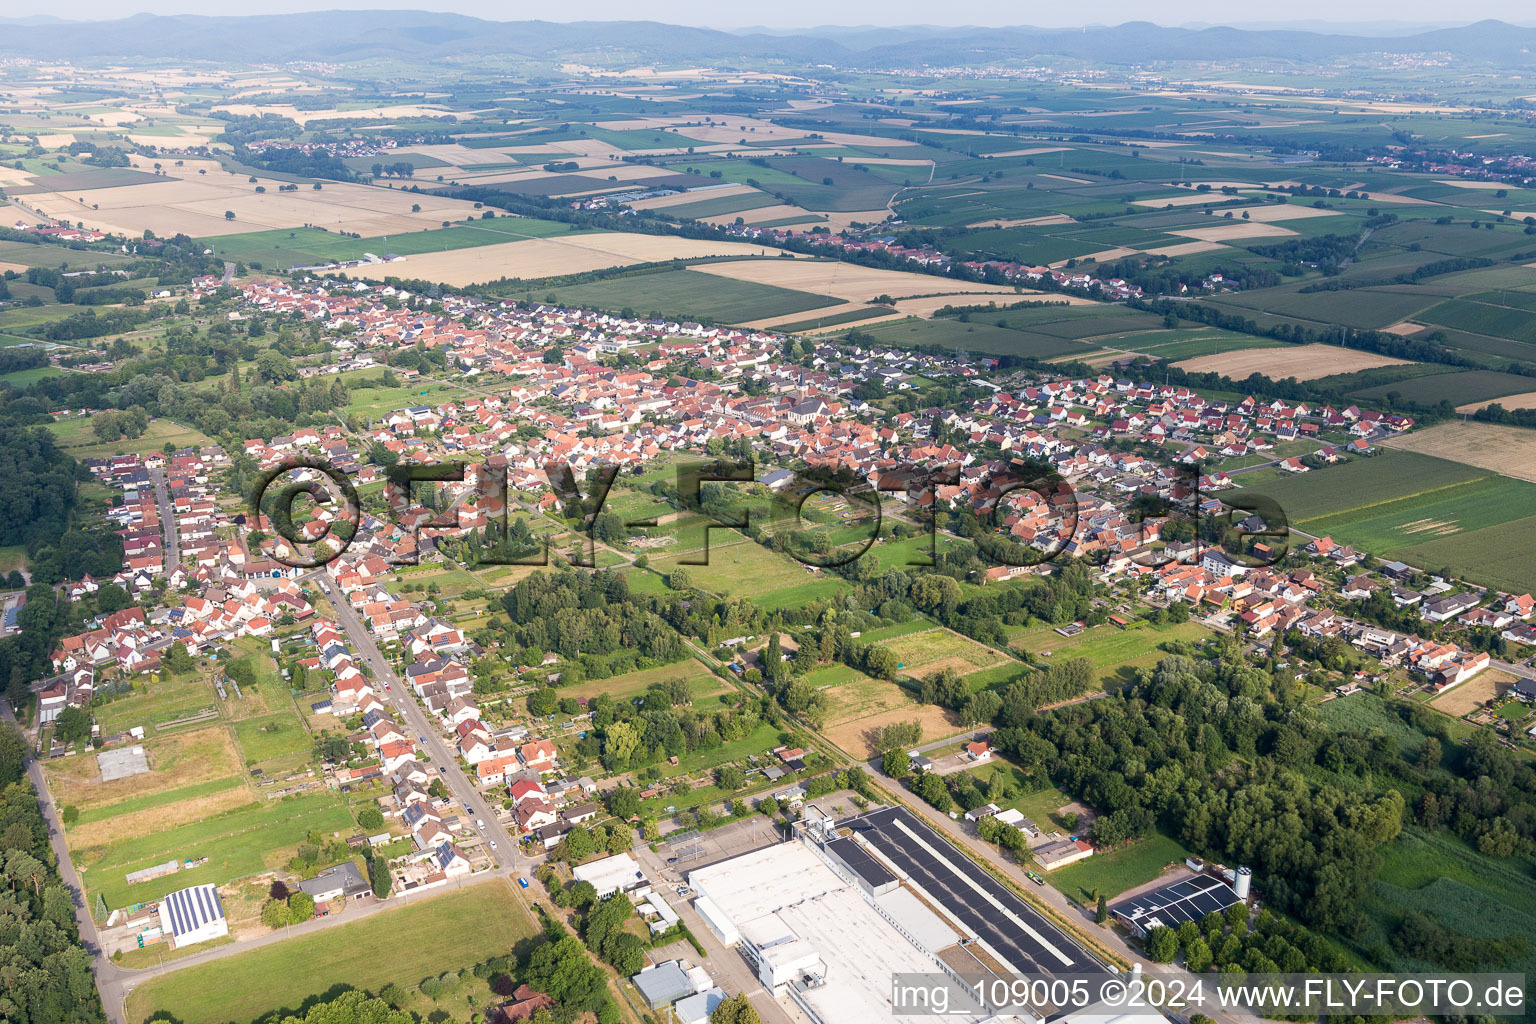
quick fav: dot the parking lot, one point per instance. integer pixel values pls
(696, 849)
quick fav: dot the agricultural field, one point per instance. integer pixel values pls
(1115, 653)
(1352, 486)
(199, 205)
(859, 708)
(701, 682)
(1457, 388)
(739, 568)
(977, 337)
(278, 979)
(1506, 450)
(919, 655)
(534, 258)
(310, 246)
(1304, 362)
(75, 438)
(679, 294)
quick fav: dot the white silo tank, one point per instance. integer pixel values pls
(1244, 882)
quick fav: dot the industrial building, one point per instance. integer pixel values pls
(193, 915)
(826, 923)
(1013, 934)
(619, 873)
(1170, 906)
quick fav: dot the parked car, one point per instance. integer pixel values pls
(523, 882)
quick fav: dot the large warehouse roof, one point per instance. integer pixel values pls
(1172, 905)
(191, 910)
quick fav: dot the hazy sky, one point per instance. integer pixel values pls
(796, 13)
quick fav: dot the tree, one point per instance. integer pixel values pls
(624, 802)
(275, 914)
(378, 874)
(625, 952)
(896, 763)
(578, 844)
(393, 994)
(1161, 945)
(278, 890)
(70, 813)
(370, 818)
(301, 906)
(72, 726)
(229, 214)
(177, 660)
(1101, 913)
(730, 776)
(735, 1010)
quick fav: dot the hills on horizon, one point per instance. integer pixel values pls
(358, 35)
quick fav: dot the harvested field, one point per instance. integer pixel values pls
(175, 760)
(1304, 362)
(197, 206)
(1102, 256)
(841, 280)
(661, 202)
(1026, 222)
(1272, 212)
(1405, 329)
(858, 710)
(1525, 401)
(1506, 450)
(1224, 232)
(1472, 694)
(1193, 199)
(149, 819)
(550, 257)
(1184, 248)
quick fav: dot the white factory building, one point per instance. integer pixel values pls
(817, 934)
(193, 915)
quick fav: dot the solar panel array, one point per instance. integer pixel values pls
(1172, 905)
(192, 908)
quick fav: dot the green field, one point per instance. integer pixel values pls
(687, 295)
(272, 736)
(1116, 653)
(1495, 555)
(159, 435)
(1457, 388)
(1437, 515)
(239, 843)
(977, 337)
(1113, 872)
(1354, 486)
(287, 247)
(745, 569)
(403, 946)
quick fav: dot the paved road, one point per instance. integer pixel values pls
(429, 739)
(229, 273)
(167, 518)
(105, 973)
